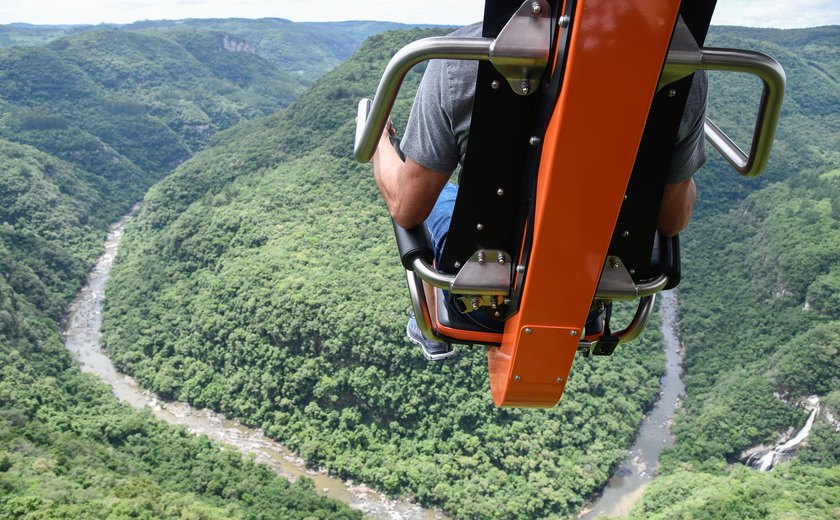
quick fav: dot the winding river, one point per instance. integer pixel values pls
(82, 333)
(628, 482)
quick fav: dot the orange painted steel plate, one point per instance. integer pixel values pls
(616, 52)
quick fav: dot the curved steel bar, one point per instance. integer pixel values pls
(635, 291)
(431, 276)
(420, 307)
(640, 320)
(376, 113)
(772, 76)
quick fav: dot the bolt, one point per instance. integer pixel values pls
(481, 256)
(534, 141)
(528, 330)
(625, 233)
(497, 314)
(632, 271)
(475, 304)
(536, 9)
(573, 333)
(507, 301)
(457, 265)
(672, 93)
(517, 378)
(525, 84)
(502, 259)
(500, 192)
(495, 85)
(625, 196)
(614, 263)
(520, 268)
(493, 303)
(479, 226)
(563, 21)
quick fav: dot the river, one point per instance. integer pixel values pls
(82, 333)
(628, 482)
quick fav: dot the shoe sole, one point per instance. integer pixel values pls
(428, 355)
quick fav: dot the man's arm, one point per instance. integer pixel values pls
(677, 204)
(409, 189)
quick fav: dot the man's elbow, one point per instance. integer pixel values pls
(405, 217)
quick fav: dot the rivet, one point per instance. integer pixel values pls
(517, 378)
(672, 93)
(563, 21)
(495, 85)
(559, 379)
(500, 192)
(528, 330)
(573, 332)
(535, 8)
(479, 226)
(534, 140)
(625, 233)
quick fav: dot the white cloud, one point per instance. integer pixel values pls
(759, 13)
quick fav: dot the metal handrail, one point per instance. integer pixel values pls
(771, 74)
(373, 115)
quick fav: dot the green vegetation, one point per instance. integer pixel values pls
(760, 312)
(86, 125)
(260, 279)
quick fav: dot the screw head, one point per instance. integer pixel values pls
(479, 226)
(501, 259)
(534, 140)
(495, 84)
(559, 379)
(563, 21)
(457, 265)
(517, 378)
(672, 92)
(625, 233)
(528, 330)
(500, 192)
(573, 333)
(535, 8)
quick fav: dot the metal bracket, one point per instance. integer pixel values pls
(637, 325)
(485, 273)
(520, 51)
(617, 284)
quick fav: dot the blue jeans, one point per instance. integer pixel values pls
(438, 225)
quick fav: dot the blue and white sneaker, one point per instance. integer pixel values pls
(432, 350)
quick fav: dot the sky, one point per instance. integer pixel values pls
(753, 13)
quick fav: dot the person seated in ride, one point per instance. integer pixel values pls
(418, 190)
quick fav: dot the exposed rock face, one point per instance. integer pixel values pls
(233, 45)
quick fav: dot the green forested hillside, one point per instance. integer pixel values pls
(760, 307)
(261, 279)
(300, 51)
(86, 125)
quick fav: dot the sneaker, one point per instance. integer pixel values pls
(432, 350)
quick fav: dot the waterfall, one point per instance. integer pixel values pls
(764, 461)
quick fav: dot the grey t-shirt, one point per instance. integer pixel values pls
(439, 124)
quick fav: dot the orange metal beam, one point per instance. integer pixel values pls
(616, 53)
